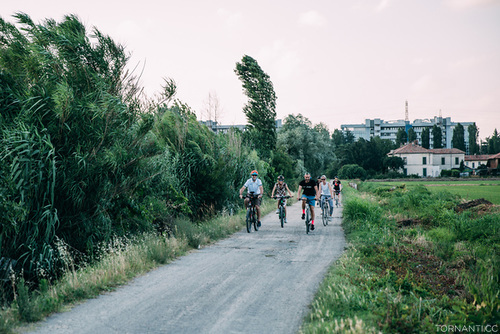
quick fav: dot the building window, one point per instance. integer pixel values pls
(473, 165)
(405, 171)
(424, 161)
(424, 172)
(456, 161)
(443, 161)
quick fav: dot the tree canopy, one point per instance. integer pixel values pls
(261, 107)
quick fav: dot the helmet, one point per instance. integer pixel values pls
(254, 172)
(281, 178)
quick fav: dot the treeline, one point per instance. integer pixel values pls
(312, 148)
(87, 158)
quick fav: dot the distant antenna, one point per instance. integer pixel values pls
(440, 114)
(407, 118)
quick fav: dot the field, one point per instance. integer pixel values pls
(469, 190)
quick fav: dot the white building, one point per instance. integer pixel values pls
(389, 129)
(427, 162)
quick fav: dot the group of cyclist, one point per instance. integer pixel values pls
(309, 191)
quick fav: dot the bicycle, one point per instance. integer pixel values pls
(336, 196)
(325, 210)
(251, 218)
(281, 208)
(308, 214)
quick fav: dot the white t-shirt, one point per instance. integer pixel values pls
(253, 186)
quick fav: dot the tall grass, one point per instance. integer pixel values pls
(442, 269)
(118, 262)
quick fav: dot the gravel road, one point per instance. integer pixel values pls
(259, 282)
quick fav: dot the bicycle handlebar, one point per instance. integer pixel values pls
(276, 197)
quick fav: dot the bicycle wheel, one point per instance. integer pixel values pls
(282, 216)
(326, 211)
(249, 221)
(308, 220)
(255, 224)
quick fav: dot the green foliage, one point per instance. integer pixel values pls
(310, 147)
(261, 107)
(425, 137)
(458, 138)
(352, 171)
(435, 266)
(401, 137)
(437, 137)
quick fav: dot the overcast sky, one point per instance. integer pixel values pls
(337, 62)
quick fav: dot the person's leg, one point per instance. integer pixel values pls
(330, 201)
(257, 208)
(246, 202)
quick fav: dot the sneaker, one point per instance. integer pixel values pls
(286, 220)
(312, 227)
(258, 223)
(303, 216)
(277, 211)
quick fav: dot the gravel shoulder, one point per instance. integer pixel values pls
(259, 282)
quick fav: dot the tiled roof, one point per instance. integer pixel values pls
(476, 157)
(447, 151)
(496, 156)
(411, 148)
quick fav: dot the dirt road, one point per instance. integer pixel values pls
(259, 282)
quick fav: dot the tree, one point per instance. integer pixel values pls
(458, 138)
(426, 138)
(437, 137)
(473, 135)
(261, 107)
(394, 163)
(352, 171)
(412, 135)
(493, 143)
(212, 109)
(310, 145)
(338, 138)
(401, 137)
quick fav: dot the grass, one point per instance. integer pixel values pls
(467, 189)
(439, 268)
(119, 261)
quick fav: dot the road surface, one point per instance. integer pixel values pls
(259, 282)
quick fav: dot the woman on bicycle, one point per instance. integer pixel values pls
(337, 187)
(310, 193)
(254, 184)
(281, 188)
(326, 192)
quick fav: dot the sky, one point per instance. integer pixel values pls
(335, 62)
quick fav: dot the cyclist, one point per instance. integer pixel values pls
(281, 188)
(326, 191)
(311, 193)
(337, 187)
(253, 184)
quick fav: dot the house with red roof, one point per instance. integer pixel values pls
(476, 160)
(426, 162)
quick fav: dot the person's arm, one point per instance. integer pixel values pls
(298, 193)
(331, 189)
(261, 190)
(289, 192)
(272, 192)
(241, 191)
(317, 191)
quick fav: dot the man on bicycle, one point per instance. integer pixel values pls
(281, 188)
(326, 192)
(337, 187)
(310, 193)
(253, 184)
